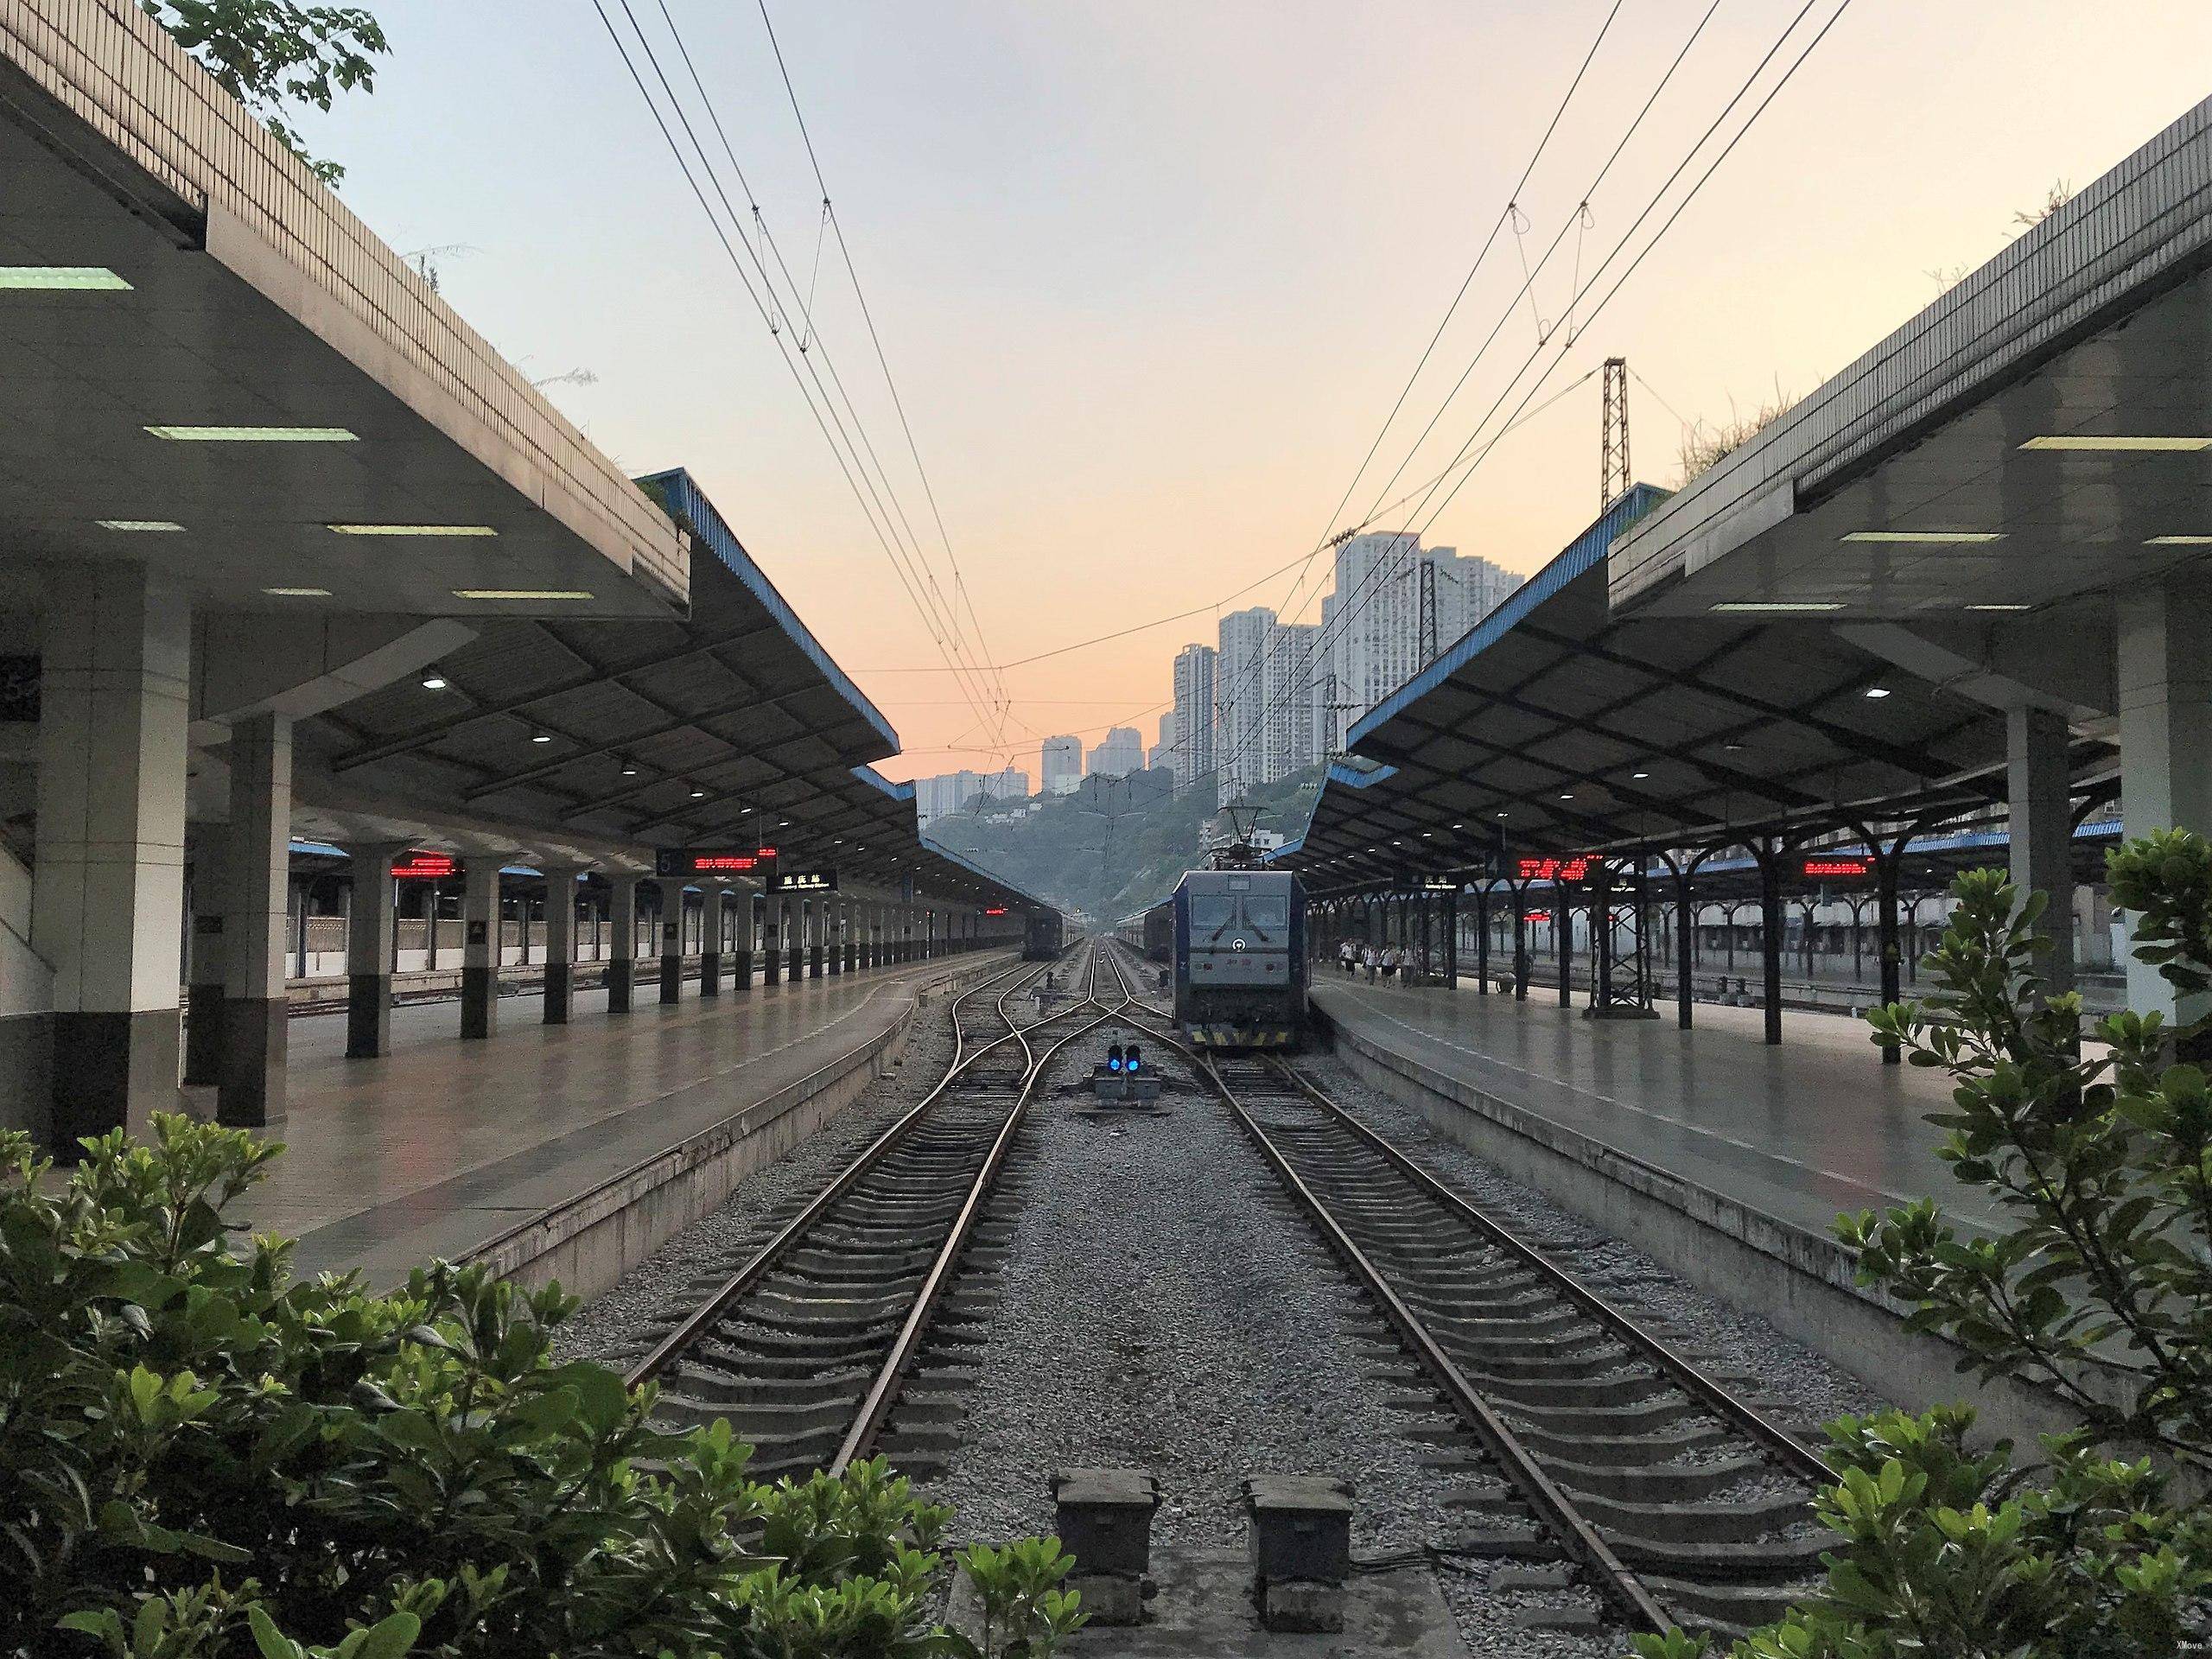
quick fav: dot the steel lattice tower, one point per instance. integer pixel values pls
(1613, 436)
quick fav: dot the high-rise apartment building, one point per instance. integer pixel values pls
(1120, 752)
(1163, 752)
(1395, 604)
(1194, 714)
(1263, 700)
(1062, 762)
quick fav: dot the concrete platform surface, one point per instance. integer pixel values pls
(1797, 1132)
(443, 1145)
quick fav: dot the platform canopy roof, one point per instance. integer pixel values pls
(2041, 431)
(213, 368)
(1555, 727)
(730, 727)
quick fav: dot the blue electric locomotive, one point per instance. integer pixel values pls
(1240, 959)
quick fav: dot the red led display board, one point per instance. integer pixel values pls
(425, 866)
(994, 909)
(1553, 869)
(712, 861)
(1830, 866)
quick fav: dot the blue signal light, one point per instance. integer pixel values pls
(1114, 1058)
(1135, 1060)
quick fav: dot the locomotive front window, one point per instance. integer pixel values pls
(1211, 912)
(1268, 910)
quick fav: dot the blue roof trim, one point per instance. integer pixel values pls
(1585, 552)
(1362, 777)
(896, 791)
(1345, 775)
(684, 500)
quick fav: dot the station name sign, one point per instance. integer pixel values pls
(1833, 868)
(713, 861)
(425, 867)
(802, 882)
(1553, 869)
(1440, 884)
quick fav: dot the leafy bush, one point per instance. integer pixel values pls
(2099, 1289)
(201, 1456)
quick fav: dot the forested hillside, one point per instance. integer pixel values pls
(1117, 844)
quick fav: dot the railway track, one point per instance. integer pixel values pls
(804, 1348)
(1679, 1501)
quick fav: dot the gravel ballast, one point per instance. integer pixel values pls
(1163, 1307)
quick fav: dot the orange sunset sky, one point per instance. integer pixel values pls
(1149, 276)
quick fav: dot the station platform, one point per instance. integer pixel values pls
(1800, 1131)
(616, 1127)
(1726, 1159)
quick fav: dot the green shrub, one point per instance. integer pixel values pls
(202, 1457)
(2097, 1287)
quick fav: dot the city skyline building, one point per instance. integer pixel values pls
(1163, 752)
(1393, 606)
(1120, 752)
(1060, 762)
(1194, 713)
(953, 791)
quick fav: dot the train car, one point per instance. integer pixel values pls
(1156, 932)
(1240, 959)
(1043, 936)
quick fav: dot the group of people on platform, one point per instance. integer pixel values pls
(1388, 960)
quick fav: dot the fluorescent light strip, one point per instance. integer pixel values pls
(254, 433)
(1926, 538)
(2000, 608)
(79, 278)
(413, 529)
(2179, 540)
(1747, 608)
(137, 524)
(297, 593)
(519, 593)
(2124, 445)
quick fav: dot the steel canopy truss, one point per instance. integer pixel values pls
(729, 726)
(1562, 729)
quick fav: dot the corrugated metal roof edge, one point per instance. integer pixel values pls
(1360, 777)
(1584, 553)
(690, 503)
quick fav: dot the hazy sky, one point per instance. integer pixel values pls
(1150, 275)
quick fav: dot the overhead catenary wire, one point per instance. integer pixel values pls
(1348, 607)
(864, 452)
(763, 299)
(1658, 197)
(1482, 253)
(867, 315)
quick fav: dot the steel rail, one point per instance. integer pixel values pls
(1792, 1453)
(1551, 1504)
(757, 1266)
(906, 1348)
